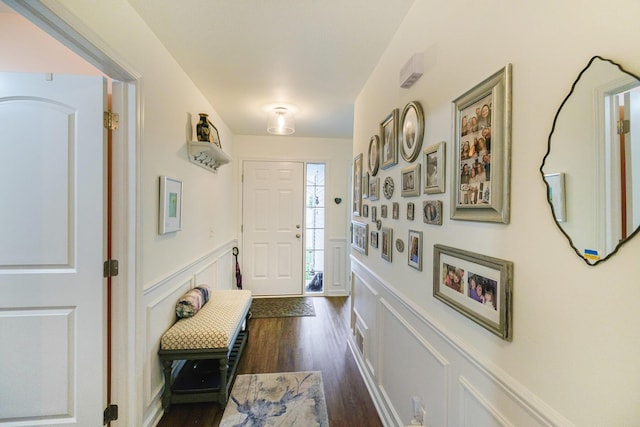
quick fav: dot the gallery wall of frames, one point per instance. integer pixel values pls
(473, 299)
(476, 285)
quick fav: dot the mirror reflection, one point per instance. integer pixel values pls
(592, 166)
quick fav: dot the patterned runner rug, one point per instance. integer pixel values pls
(282, 307)
(279, 399)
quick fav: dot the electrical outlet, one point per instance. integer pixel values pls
(211, 232)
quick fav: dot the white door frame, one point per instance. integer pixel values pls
(127, 355)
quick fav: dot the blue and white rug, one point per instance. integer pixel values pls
(280, 399)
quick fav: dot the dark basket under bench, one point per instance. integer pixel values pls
(210, 343)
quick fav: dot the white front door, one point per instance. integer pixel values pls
(272, 213)
(51, 249)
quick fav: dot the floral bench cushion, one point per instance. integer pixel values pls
(213, 326)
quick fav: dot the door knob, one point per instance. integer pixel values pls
(298, 235)
(298, 226)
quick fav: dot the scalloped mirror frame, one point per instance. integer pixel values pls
(544, 160)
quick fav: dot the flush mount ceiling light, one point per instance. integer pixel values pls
(280, 121)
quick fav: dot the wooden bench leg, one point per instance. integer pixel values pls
(224, 368)
(166, 394)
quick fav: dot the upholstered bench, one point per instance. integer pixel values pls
(210, 343)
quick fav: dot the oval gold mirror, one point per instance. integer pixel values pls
(592, 165)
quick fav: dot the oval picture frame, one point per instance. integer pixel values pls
(374, 155)
(412, 131)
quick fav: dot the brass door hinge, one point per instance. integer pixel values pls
(110, 268)
(624, 126)
(110, 414)
(111, 120)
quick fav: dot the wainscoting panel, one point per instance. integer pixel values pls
(215, 270)
(401, 346)
(414, 356)
(477, 410)
(160, 315)
(365, 310)
(336, 270)
(208, 274)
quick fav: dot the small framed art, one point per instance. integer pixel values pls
(359, 236)
(365, 185)
(432, 212)
(374, 155)
(170, 212)
(389, 136)
(410, 211)
(411, 180)
(374, 188)
(374, 239)
(415, 249)
(433, 157)
(411, 131)
(387, 243)
(357, 185)
(477, 286)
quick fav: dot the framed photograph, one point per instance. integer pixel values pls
(432, 212)
(374, 189)
(388, 187)
(411, 180)
(215, 137)
(359, 236)
(170, 212)
(374, 239)
(383, 211)
(365, 185)
(365, 211)
(411, 131)
(433, 159)
(555, 195)
(357, 185)
(482, 151)
(414, 254)
(478, 286)
(395, 210)
(374, 213)
(387, 243)
(410, 211)
(374, 155)
(389, 140)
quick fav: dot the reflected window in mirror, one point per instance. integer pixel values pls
(592, 165)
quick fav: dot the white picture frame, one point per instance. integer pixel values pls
(556, 196)
(170, 209)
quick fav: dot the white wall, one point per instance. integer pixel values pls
(199, 253)
(170, 104)
(336, 153)
(26, 48)
(575, 345)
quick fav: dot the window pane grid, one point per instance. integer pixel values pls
(314, 227)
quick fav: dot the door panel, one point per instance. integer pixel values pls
(51, 251)
(272, 227)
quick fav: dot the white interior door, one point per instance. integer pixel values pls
(272, 213)
(51, 249)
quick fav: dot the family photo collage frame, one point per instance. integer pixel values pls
(476, 285)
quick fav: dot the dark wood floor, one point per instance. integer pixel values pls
(293, 344)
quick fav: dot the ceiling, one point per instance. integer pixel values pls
(243, 55)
